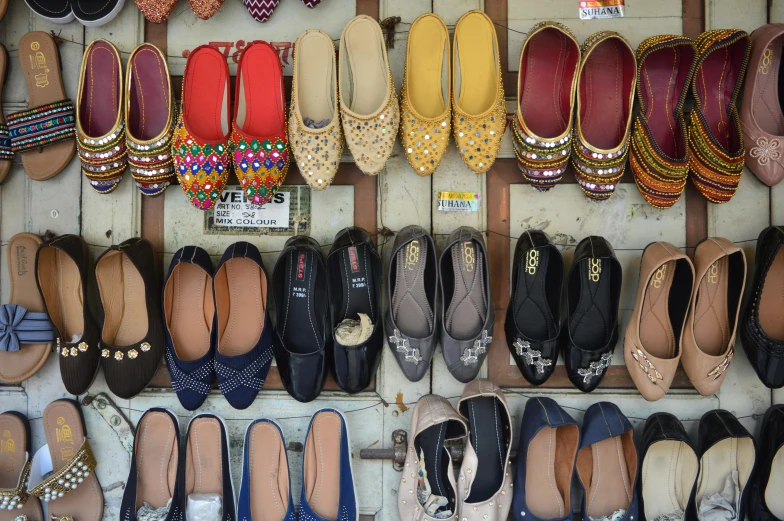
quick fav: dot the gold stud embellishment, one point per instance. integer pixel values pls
(74, 351)
(118, 355)
(132, 354)
(145, 346)
(65, 351)
(83, 346)
(105, 353)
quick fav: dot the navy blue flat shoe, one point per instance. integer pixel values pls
(207, 463)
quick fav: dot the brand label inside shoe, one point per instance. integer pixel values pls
(531, 261)
(353, 259)
(658, 277)
(301, 267)
(594, 269)
(21, 260)
(713, 273)
(38, 64)
(469, 255)
(412, 255)
(64, 435)
(590, 9)
(458, 201)
(7, 446)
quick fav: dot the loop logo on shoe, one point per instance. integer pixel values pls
(412, 255)
(713, 273)
(531, 261)
(469, 255)
(658, 277)
(594, 269)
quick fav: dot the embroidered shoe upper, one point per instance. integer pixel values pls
(202, 168)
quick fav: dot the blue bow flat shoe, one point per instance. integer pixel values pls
(548, 447)
(328, 492)
(607, 465)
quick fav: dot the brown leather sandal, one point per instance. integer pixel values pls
(44, 133)
(71, 489)
(15, 470)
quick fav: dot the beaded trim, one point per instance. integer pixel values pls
(11, 498)
(543, 161)
(151, 162)
(260, 166)
(6, 154)
(67, 478)
(41, 126)
(103, 159)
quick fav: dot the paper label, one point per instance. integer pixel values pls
(458, 201)
(287, 214)
(591, 9)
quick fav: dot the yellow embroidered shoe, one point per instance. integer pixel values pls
(478, 107)
(425, 106)
(315, 136)
(368, 104)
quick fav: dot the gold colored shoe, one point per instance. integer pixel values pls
(425, 103)
(315, 136)
(368, 103)
(478, 106)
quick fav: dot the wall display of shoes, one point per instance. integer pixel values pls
(264, 340)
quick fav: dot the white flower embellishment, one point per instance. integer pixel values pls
(766, 150)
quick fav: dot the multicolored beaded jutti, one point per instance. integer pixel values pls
(605, 94)
(659, 154)
(202, 169)
(261, 166)
(547, 80)
(715, 135)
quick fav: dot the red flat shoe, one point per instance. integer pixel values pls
(201, 139)
(261, 155)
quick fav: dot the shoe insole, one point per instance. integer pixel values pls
(40, 63)
(773, 492)
(358, 285)
(668, 474)
(99, 105)
(592, 321)
(766, 106)
(410, 308)
(728, 455)
(20, 365)
(122, 293)
(546, 77)
(204, 457)
(488, 440)
(437, 461)
(260, 109)
(64, 430)
(241, 297)
(61, 286)
(603, 107)
(316, 76)
(662, 82)
(656, 333)
(269, 473)
(206, 96)
(148, 109)
(477, 64)
(465, 316)
(426, 67)
(533, 316)
(771, 305)
(156, 451)
(544, 498)
(189, 309)
(300, 327)
(610, 488)
(716, 78)
(322, 465)
(367, 76)
(711, 319)
(13, 446)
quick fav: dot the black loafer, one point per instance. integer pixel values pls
(355, 277)
(533, 318)
(94, 13)
(592, 298)
(766, 502)
(55, 11)
(299, 290)
(762, 325)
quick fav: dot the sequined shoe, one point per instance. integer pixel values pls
(715, 135)
(314, 122)
(425, 98)
(149, 115)
(605, 95)
(659, 155)
(100, 122)
(368, 103)
(205, 9)
(261, 151)
(547, 79)
(201, 138)
(478, 106)
(156, 11)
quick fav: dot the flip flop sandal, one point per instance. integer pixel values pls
(26, 333)
(5, 140)
(15, 502)
(44, 133)
(71, 489)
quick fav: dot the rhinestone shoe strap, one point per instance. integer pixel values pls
(11, 498)
(67, 478)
